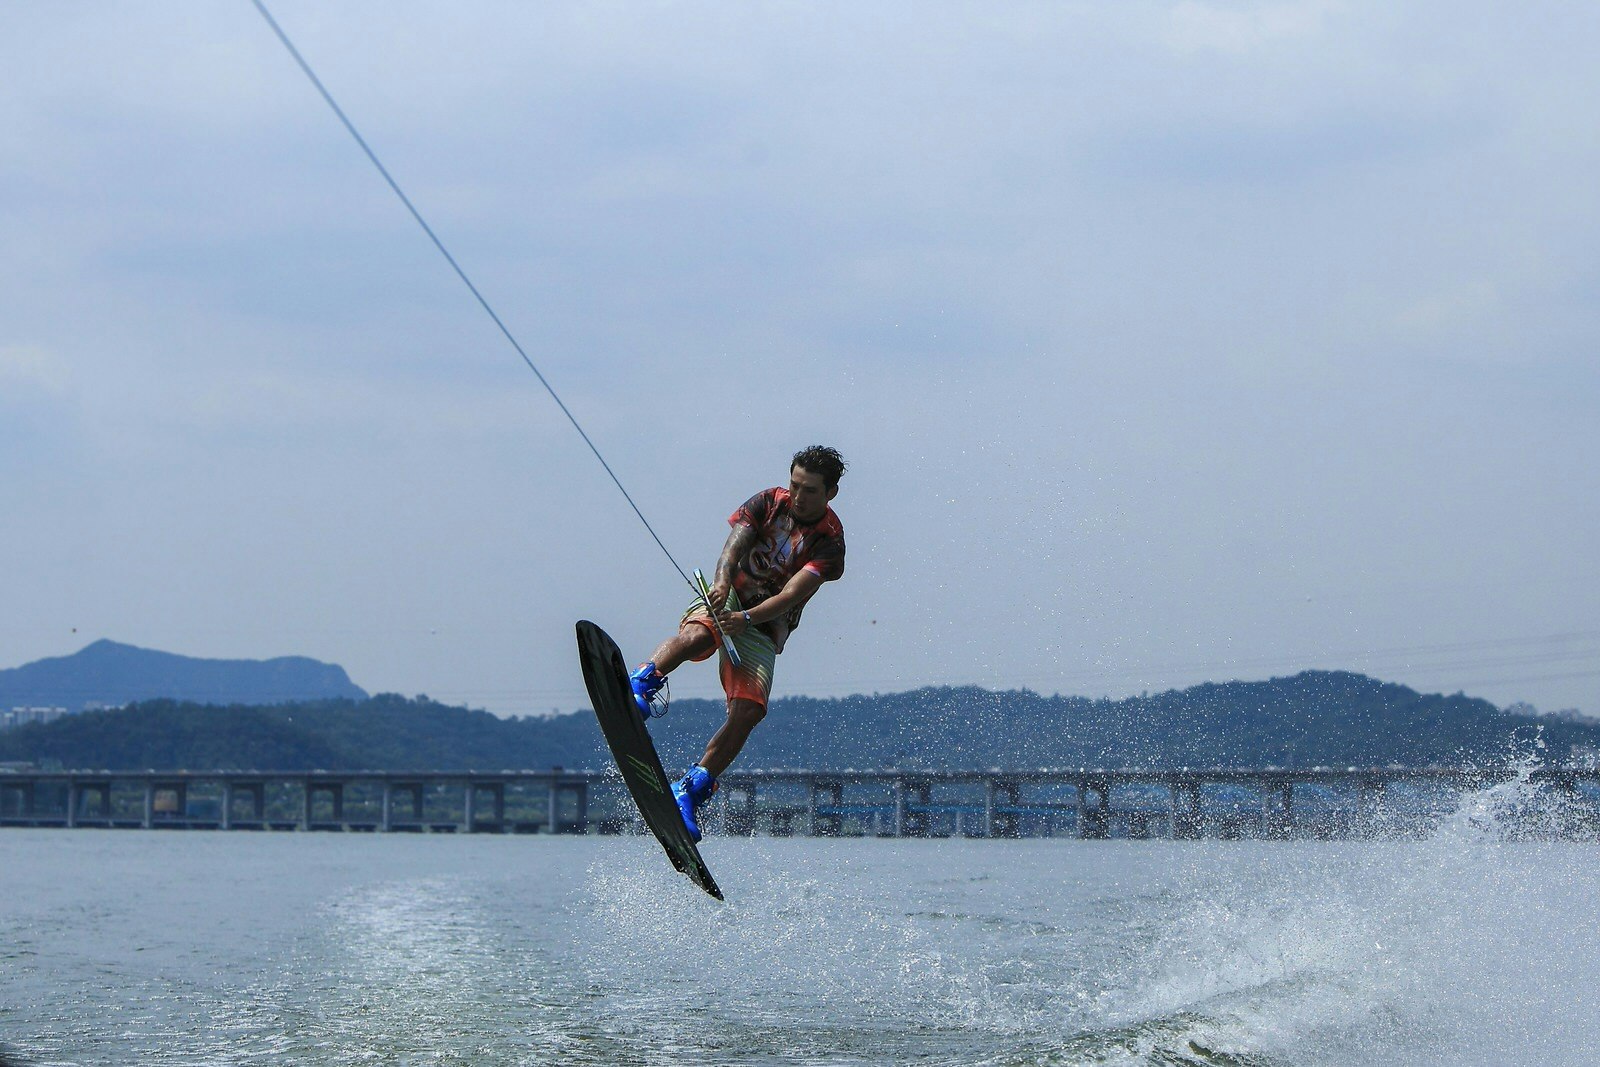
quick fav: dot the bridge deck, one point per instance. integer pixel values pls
(1083, 802)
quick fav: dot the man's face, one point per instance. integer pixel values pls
(809, 494)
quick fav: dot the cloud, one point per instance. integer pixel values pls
(1241, 29)
(34, 368)
(1305, 148)
(1452, 312)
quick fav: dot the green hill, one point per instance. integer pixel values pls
(1311, 719)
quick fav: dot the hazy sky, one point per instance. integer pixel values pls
(1167, 341)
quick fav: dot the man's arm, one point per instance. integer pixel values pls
(740, 540)
(795, 592)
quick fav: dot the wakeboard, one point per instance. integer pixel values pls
(606, 674)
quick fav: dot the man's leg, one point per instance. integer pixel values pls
(743, 715)
(692, 641)
(747, 687)
(696, 787)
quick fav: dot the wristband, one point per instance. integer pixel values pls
(747, 621)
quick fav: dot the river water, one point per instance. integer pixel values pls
(131, 947)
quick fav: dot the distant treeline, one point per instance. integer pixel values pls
(1312, 719)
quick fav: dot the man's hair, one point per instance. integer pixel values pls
(820, 459)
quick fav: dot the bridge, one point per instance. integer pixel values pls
(1181, 804)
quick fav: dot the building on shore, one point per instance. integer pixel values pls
(23, 716)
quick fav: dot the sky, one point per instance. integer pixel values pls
(1167, 342)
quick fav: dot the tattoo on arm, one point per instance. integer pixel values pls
(740, 538)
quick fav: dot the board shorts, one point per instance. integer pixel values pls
(752, 679)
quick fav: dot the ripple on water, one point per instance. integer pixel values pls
(309, 949)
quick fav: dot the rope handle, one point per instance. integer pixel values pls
(705, 598)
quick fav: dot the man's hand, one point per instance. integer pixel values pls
(731, 622)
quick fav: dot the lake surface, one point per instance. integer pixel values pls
(235, 948)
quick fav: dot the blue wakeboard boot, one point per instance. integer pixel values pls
(691, 791)
(647, 684)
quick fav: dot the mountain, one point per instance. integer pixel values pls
(108, 673)
(1317, 718)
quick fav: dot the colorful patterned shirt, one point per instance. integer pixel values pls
(783, 548)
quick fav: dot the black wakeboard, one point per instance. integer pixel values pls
(606, 674)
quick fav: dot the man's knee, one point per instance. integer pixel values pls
(695, 639)
(746, 713)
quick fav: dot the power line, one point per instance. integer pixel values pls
(462, 274)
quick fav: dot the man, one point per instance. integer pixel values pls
(784, 544)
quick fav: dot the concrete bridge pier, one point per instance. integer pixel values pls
(22, 791)
(497, 800)
(580, 795)
(415, 790)
(1277, 820)
(826, 792)
(335, 791)
(1188, 822)
(78, 794)
(230, 794)
(497, 795)
(580, 821)
(1094, 820)
(578, 789)
(256, 791)
(909, 822)
(1001, 798)
(739, 811)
